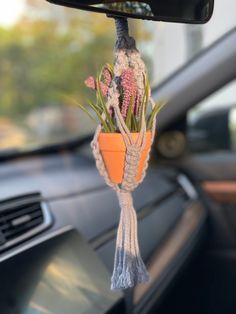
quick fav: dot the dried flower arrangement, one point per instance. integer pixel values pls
(131, 105)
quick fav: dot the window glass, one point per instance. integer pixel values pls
(175, 44)
(212, 123)
(48, 51)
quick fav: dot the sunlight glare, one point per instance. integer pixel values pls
(10, 11)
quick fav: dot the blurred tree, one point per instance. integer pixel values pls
(38, 61)
(46, 56)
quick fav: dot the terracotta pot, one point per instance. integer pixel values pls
(113, 151)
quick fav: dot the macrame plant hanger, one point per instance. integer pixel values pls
(129, 268)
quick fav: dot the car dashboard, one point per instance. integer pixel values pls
(58, 213)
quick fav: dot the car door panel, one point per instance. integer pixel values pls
(221, 191)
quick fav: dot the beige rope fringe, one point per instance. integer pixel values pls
(129, 268)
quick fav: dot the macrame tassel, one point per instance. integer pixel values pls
(129, 268)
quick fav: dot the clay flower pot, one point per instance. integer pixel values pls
(113, 151)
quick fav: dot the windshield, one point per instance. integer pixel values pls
(47, 52)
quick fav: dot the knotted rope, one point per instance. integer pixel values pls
(129, 268)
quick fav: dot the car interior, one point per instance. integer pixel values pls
(58, 218)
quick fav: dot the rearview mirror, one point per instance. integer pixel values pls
(182, 11)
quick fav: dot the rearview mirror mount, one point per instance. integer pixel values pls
(179, 11)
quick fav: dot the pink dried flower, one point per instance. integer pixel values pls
(90, 82)
(104, 88)
(111, 112)
(107, 75)
(129, 87)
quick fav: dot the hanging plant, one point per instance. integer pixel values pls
(126, 115)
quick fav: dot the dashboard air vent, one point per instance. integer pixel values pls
(21, 218)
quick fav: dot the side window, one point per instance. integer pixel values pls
(211, 125)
